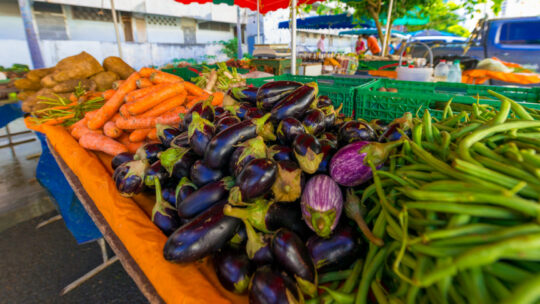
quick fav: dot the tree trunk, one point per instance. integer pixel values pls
(378, 24)
(388, 37)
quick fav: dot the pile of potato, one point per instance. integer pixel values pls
(61, 80)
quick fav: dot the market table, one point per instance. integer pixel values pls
(125, 224)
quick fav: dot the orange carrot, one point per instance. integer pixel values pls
(111, 106)
(108, 94)
(79, 131)
(72, 97)
(117, 84)
(99, 142)
(138, 135)
(81, 122)
(116, 117)
(162, 77)
(166, 105)
(193, 89)
(59, 120)
(132, 96)
(196, 100)
(131, 146)
(146, 72)
(144, 83)
(110, 129)
(218, 99)
(123, 110)
(139, 122)
(152, 134)
(89, 115)
(147, 102)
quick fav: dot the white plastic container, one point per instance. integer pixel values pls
(441, 71)
(414, 74)
(454, 73)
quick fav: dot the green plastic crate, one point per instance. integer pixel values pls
(341, 90)
(377, 64)
(189, 72)
(415, 97)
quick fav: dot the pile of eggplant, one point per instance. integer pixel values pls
(261, 186)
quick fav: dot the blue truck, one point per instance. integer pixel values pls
(509, 39)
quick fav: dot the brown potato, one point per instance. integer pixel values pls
(25, 94)
(26, 84)
(119, 66)
(37, 74)
(104, 80)
(70, 85)
(48, 81)
(80, 66)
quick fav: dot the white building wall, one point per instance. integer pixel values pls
(207, 36)
(11, 24)
(88, 29)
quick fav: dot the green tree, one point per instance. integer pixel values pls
(442, 17)
(230, 47)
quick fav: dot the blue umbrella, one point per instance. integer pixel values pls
(373, 31)
(424, 33)
(340, 21)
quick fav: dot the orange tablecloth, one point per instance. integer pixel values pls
(129, 219)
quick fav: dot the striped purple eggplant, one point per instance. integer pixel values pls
(322, 203)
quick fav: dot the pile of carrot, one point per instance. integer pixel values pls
(131, 111)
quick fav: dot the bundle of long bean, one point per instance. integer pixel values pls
(458, 209)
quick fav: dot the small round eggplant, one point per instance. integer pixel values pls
(288, 184)
(293, 256)
(390, 132)
(253, 112)
(203, 108)
(279, 153)
(331, 138)
(149, 152)
(256, 178)
(308, 153)
(180, 141)
(263, 256)
(200, 133)
(314, 121)
(245, 94)
(121, 158)
(288, 129)
(337, 252)
(166, 134)
(322, 204)
(184, 188)
(241, 110)
(268, 286)
(272, 92)
(201, 175)
(225, 122)
(168, 195)
(201, 236)
(178, 161)
(129, 177)
(246, 152)
(240, 238)
(218, 111)
(233, 269)
(323, 101)
(204, 198)
(328, 149)
(164, 214)
(356, 131)
(155, 170)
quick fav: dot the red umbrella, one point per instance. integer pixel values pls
(265, 5)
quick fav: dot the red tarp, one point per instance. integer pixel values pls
(265, 5)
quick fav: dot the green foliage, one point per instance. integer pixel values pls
(442, 17)
(230, 47)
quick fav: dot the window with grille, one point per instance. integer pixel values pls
(161, 20)
(215, 26)
(91, 14)
(50, 21)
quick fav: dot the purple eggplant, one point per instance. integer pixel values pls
(178, 161)
(253, 112)
(328, 149)
(240, 238)
(245, 94)
(233, 269)
(200, 132)
(292, 255)
(288, 184)
(264, 256)
(169, 196)
(296, 104)
(391, 133)
(323, 101)
(246, 152)
(184, 189)
(272, 92)
(225, 122)
(121, 158)
(269, 286)
(164, 214)
(180, 141)
(322, 203)
(129, 177)
(203, 108)
(288, 129)
(337, 252)
(149, 152)
(349, 167)
(256, 178)
(221, 146)
(331, 138)
(355, 130)
(308, 153)
(166, 134)
(330, 116)
(201, 236)
(204, 198)
(155, 170)
(218, 111)
(314, 122)
(239, 110)
(201, 175)
(279, 153)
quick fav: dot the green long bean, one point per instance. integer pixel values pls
(528, 292)
(486, 211)
(490, 236)
(507, 272)
(368, 274)
(511, 170)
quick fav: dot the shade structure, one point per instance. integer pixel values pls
(424, 33)
(265, 5)
(373, 31)
(341, 21)
(409, 20)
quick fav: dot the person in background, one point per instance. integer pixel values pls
(320, 44)
(372, 44)
(360, 46)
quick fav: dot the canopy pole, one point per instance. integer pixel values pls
(115, 21)
(387, 34)
(31, 37)
(293, 37)
(239, 33)
(258, 21)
